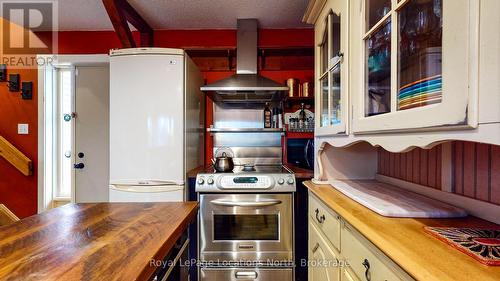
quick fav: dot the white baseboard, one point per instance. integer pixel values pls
(474, 207)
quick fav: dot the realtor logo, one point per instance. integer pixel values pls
(28, 28)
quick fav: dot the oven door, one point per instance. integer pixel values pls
(246, 227)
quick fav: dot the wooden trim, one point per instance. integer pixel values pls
(474, 207)
(15, 157)
(117, 17)
(446, 167)
(313, 10)
(121, 13)
(379, 24)
(6, 216)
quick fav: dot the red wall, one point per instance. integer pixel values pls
(18, 192)
(475, 168)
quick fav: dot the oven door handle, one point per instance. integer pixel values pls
(246, 203)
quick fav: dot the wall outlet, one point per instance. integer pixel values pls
(22, 129)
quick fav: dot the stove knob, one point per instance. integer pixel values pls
(290, 181)
(201, 181)
(210, 181)
(281, 181)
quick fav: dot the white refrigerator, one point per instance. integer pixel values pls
(156, 124)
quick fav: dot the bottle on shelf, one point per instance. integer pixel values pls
(267, 117)
(302, 116)
(275, 117)
(302, 113)
(280, 118)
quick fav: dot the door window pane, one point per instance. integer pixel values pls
(419, 53)
(65, 140)
(378, 72)
(324, 119)
(375, 11)
(246, 227)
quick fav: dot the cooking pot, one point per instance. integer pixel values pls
(223, 163)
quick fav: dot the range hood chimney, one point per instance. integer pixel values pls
(246, 87)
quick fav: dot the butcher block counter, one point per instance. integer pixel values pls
(406, 243)
(93, 241)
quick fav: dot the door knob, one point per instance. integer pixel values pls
(79, 166)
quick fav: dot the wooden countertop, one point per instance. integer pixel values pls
(405, 242)
(95, 241)
(301, 173)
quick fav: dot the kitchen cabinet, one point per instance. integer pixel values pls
(348, 276)
(413, 64)
(323, 262)
(331, 68)
(355, 258)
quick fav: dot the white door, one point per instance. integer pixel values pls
(91, 143)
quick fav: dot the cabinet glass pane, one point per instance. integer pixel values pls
(324, 120)
(335, 101)
(335, 41)
(375, 11)
(324, 57)
(419, 53)
(378, 71)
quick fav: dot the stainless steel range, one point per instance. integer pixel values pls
(246, 223)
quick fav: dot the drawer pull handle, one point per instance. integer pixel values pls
(320, 219)
(366, 264)
(246, 275)
(315, 248)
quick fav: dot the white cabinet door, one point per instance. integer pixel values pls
(415, 64)
(323, 263)
(331, 69)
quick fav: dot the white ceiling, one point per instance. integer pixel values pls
(186, 14)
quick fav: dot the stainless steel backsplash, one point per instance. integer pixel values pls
(255, 148)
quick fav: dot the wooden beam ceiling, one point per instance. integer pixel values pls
(121, 13)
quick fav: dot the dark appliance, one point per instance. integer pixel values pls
(300, 152)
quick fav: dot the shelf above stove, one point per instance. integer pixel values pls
(246, 130)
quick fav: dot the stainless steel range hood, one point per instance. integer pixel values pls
(246, 87)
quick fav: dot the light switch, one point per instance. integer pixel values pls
(22, 129)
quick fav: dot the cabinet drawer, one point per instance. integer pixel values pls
(348, 276)
(366, 261)
(323, 263)
(326, 220)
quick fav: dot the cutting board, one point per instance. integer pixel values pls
(391, 201)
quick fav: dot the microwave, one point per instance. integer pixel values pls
(300, 152)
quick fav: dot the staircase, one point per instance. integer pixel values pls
(15, 157)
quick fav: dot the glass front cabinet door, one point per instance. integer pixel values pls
(413, 67)
(331, 69)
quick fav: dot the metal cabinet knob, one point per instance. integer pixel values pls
(320, 219)
(366, 264)
(315, 248)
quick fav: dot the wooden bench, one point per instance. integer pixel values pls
(6, 216)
